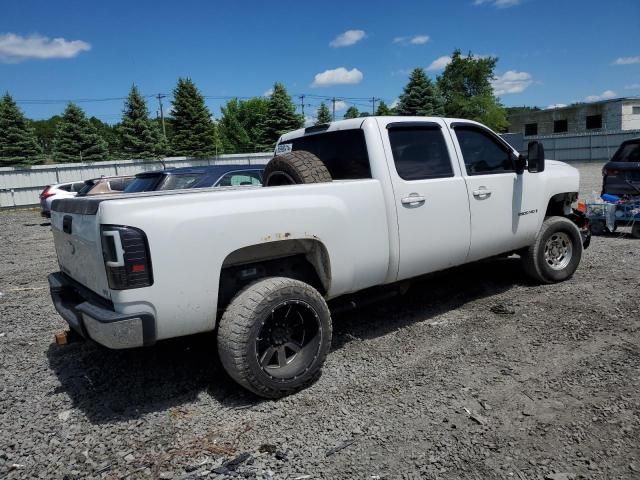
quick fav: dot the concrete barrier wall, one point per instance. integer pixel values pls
(22, 186)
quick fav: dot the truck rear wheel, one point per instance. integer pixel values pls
(274, 336)
(556, 252)
(295, 168)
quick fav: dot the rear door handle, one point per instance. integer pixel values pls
(413, 200)
(482, 192)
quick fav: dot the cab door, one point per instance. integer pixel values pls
(503, 205)
(430, 197)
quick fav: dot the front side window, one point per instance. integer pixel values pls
(235, 179)
(482, 152)
(420, 153)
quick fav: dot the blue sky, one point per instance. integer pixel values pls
(550, 52)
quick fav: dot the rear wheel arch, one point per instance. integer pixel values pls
(306, 260)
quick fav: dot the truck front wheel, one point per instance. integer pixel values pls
(556, 252)
(274, 336)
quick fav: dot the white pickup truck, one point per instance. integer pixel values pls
(347, 207)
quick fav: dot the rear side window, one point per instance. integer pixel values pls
(66, 188)
(177, 182)
(78, 186)
(234, 179)
(143, 184)
(629, 152)
(344, 152)
(420, 153)
(482, 152)
(88, 185)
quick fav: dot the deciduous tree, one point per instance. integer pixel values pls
(466, 87)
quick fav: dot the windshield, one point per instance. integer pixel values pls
(143, 184)
(628, 152)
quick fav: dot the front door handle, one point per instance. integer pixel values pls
(482, 193)
(413, 200)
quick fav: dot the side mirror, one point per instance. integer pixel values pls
(535, 155)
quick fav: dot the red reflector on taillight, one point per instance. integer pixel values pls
(137, 268)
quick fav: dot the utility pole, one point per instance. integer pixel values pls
(373, 105)
(302, 103)
(164, 130)
(333, 101)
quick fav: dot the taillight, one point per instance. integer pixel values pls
(46, 193)
(126, 257)
(610, 171)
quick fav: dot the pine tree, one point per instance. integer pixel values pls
(466, 87)
(252, 114)
(383, 110)
(18, 144)
(193, 130)
(280, 118)
(421, 97)
(76, 140)
(323, 115)
(139, 137)
(352, 112)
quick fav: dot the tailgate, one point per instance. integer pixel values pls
(76, 233)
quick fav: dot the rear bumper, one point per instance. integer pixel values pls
(93, 317)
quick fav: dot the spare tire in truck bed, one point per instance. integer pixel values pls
(294, 168)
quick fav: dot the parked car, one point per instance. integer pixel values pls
(196, 177)
(102, 185)
(56, 191)
(353, 206)
(621, 175)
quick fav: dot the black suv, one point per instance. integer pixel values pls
(621, 175)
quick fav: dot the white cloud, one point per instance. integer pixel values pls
(268, 93)
(439, 64)
(15, 48)
(633, 86)
(337, 76)
(348, 38)
(420, 39)
(556, 105)
(395, 103)
(606, 95)
(415, 40)
(499, 3)
(309, 120)
(511, 82)
(627, 60)
(340, 105)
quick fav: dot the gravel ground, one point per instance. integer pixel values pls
(475, 373)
